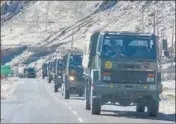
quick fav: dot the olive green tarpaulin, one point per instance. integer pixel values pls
(5, 70)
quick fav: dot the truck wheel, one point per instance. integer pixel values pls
(87, 105)
(49, 81)
(59, 85)
(140, 107)
(96, 107)
(55, 88)
(66, 94)
(80, 94)
(153, 108)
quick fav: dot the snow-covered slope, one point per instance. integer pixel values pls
(121, 16)
(49, 23)
(52, 23)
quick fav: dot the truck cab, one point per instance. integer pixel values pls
(122, 68)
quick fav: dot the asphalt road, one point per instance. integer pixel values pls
(34, 101)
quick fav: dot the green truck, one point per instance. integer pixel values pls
(6, 70)
(73, 82)
(122, 68)
(44, 70)
(49, 71)
(58, 74)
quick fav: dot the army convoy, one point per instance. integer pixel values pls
(116, 68)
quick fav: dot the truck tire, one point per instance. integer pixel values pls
(140, 108)
(87, 105)
(59, 85)
(49, 81)
(87, 102)
(153, 108)
(55, 88)
(66, 94)
(80, 94)
(96, 107)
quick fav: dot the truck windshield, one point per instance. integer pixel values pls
(76, 60)
(30, 70)
(140, 47)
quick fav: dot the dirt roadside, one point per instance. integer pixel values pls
(8, 85)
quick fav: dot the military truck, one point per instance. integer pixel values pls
(30, 72)
(122, 68)
(44, 70)
(49, 71)
(53, 68)
(58, 74)
(72, 75)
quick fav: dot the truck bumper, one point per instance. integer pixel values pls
(76, 86)
(127, 91)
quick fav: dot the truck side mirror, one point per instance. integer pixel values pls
(95, 75)
(165, 46)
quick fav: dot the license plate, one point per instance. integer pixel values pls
(111, 85)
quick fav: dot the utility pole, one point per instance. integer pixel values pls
(154, 25)
(72, 38)
(37, 24)
(46, 16)
(173, 37)
(46, 21)
(143, 19)
(154, 21)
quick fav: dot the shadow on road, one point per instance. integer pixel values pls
(136, 115)
(76, 98)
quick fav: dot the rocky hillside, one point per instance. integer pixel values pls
(43, 24)
(10, 9)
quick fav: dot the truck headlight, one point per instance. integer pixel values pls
(71, 78)
(106, 78)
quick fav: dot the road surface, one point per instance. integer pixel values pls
(34, 101)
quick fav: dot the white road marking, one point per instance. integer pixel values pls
(57, 100)
(74, 112)
(70, 107)
(80, 120)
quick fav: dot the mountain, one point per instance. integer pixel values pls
(40, 25)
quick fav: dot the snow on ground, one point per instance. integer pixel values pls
(167, 65)
(7, 86)
(169, 84)
(124, 16)
(167, 104)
